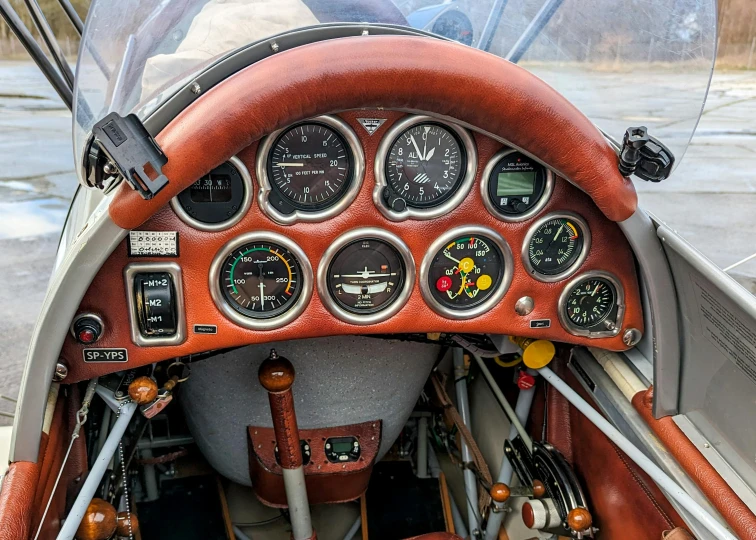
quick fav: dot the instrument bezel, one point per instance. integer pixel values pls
(299, 215)
(244, 207)
(575, 267)
(548, 189)
(300, 303)
(575, 330)
(482, 308)
(342, 241)
(429, 212)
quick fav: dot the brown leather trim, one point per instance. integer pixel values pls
(437, 536)
(17, 498)
(326, 482)
(725, 500)
(677, 534)
(285, 427)
(472, 86)
(107, 297)
(623, 500)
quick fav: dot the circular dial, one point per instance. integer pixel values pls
(216, 197)
(555, 246)
(425, 165)
(590, 302)
(310, 167)
(260, 280)
(366, 276)
(465, 272)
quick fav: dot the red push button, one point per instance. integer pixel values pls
(444, 283)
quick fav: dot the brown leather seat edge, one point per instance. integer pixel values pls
(411, 73)
(725, 500)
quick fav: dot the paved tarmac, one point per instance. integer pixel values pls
(710, 199)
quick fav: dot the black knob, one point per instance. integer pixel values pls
(87, 330)
(396, 203)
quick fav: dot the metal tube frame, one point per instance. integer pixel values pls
(35, 51)
(40, 21)
(71, 524)
(471, 483)
(538, 23)
(522, 411)
(72, 16)
(666, 483)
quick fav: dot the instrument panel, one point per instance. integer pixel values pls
(500, 231)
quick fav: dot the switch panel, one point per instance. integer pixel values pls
(155, 303)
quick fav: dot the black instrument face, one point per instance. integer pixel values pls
(310, 168)
(556, 246)
(366, 276)
(590, 302)
(516, 184)
(426, 165)
(261, 280)
(466, 272)
(216, 197)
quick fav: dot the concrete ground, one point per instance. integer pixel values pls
(710, 199)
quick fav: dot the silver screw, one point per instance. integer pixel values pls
(631, 337)
(61, 372)
(365, 33)
(196, 88)
(109, 168)
(274, 46)
(707, 445)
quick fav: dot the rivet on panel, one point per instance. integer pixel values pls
(196, 88)
(274, 47)
(61, 372)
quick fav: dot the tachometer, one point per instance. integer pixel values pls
(555, 246)
(466, 272)
(310, 167)
(261, 280)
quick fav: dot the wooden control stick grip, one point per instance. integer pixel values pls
(277, 376)
(99, 521)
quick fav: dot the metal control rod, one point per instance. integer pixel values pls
(522, 411)
(92, 482)
(276, 375)
(510, 412)
(640, 459)
(471, 483)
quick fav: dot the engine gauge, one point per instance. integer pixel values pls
(309, 171)
(555, 246)
(592, 305)
(366, 276)
(424, 168)
(261, 280)
(466, 272)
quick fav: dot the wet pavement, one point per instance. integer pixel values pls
(710, 200)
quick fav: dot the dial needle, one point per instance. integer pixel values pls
(450, 257)
(289, 164)
(419, 155)
(596, 289)
(558, 233)
(430, 154)
(262, 297)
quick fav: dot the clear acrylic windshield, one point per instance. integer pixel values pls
(622, 62)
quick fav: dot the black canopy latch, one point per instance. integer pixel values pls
(132, 150)
(645, 156)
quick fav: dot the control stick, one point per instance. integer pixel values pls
(276, 375)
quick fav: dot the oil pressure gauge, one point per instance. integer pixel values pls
(366, 276)
(466, 272)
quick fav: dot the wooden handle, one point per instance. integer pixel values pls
(99, 521)
(277, 376)
(127, 525)
(143, 390)
(579, 519)
(499, 492)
